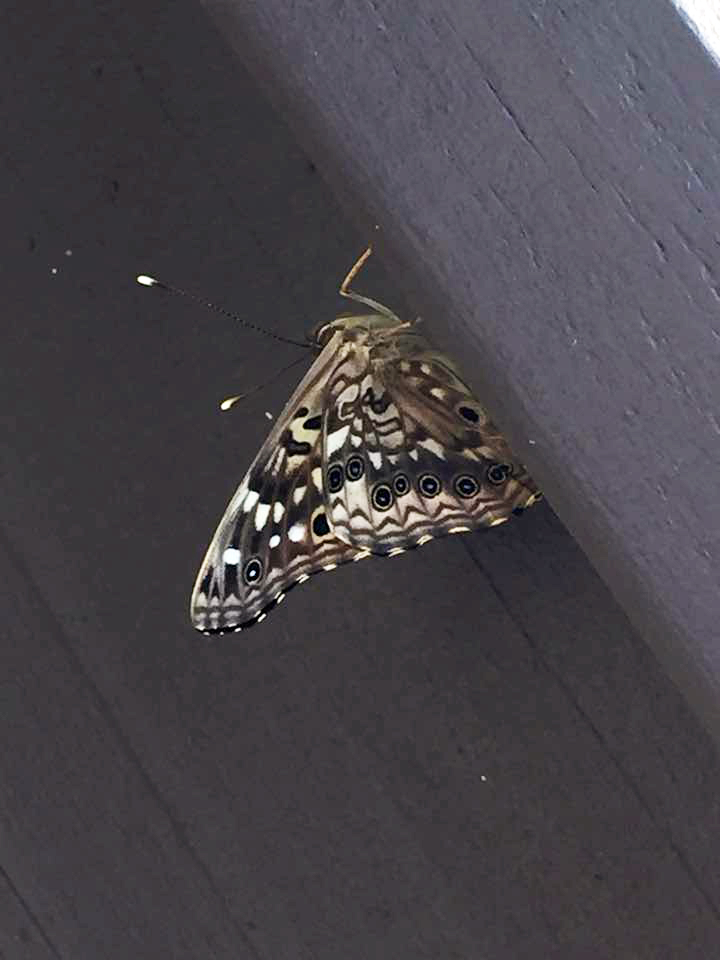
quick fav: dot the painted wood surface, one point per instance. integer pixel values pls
(463, 752)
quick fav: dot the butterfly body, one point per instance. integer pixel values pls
(381, 448)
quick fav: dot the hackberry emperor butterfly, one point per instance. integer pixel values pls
(380, 448)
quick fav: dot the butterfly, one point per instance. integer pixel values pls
(382, 447)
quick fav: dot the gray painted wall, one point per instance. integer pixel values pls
(463, 752)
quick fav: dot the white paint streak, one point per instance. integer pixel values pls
(703, 18)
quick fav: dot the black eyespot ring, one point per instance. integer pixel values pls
(382, 497)
(335, 478)
(401, 485)
(465, 485)
(467, 413)
(252, 571)
(498, 473)
(355, 468)
(429, 485)
(320, 525)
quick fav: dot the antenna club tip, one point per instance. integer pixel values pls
(146, 281)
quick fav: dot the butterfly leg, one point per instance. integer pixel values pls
(345, 290)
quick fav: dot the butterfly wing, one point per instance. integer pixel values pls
(411, 454)
(274, 533)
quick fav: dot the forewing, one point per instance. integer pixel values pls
(274, 533)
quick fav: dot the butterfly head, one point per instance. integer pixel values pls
(354, 327)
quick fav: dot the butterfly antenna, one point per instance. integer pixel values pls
(146, 281)
(231, 401)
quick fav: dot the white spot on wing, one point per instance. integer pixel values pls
(261, 515)
(298, 494)
(317, 477)
(274, 541)
(375, 458)
(278, 511)
(336, 439)
(238, 496)
(339, 513)
(250, 500)
(231, 556)
(349, 394)
(296, 532)
(433, 446)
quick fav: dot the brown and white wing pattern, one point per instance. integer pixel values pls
(382, 447)
(275, 532)
(410, 453)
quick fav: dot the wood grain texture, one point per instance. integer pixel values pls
(547, 182)
(463, 752)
